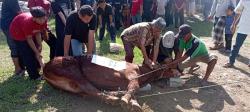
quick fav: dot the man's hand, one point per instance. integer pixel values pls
(149, 63)
(40, 59)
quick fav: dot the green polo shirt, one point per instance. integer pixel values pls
(194, 47)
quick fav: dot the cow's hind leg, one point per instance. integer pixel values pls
(87, 88)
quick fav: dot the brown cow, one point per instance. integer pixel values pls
(79, 75)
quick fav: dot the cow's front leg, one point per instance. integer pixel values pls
(87, 88)
(132, 87)
(135, 106)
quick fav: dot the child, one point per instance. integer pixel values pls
(228, 32)
(126, 18)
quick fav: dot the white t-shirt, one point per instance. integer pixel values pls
(161, 7)
(244, 24)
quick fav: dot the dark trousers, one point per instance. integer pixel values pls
(228, 39)
(29, 59)
(110, 28)
(52, 45)
(179, 17)
(117, 20)
(60, 38)
(147, 16)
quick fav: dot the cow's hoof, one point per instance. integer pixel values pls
(125, 103)
(112, 100)
(135, 106)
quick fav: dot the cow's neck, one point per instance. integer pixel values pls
(149, 77)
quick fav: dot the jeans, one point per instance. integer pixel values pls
(137, 18)
(77, 47)
(110, 28)
(29, 59)
(236, 48)
(11, 43)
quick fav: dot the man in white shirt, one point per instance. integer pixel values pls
(161, 8)
(218, 11)
(242, 15)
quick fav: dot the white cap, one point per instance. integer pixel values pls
(168, 39)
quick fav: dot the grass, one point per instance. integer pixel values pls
(22, 94)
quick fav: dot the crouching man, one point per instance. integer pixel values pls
(143, 35)
(23, 28)
(195, 49)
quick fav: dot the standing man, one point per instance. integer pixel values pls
(147, 10)
(105, 17)
(196, 50)
(136, 11)
(117, 9)
(10, 9)
(161, 8)
(79, 31)
(142, 35)
(242, 17)
(179, 12)
(218, 11)
(26, 30)
(61, 10)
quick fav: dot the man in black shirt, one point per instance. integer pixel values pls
(117, 6)
(105, 16)
(80, 28)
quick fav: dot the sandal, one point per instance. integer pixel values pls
(228, 65)
(20, 73)
(216, 47)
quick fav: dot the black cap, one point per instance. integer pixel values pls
(184, 29)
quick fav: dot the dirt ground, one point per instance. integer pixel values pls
(232, 93)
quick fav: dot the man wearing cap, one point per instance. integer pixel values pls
(142, 35)
(195, 49)
(168, 45)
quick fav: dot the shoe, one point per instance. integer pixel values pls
(216, 47)
(228, 65)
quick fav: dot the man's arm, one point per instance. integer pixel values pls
(100, 20)
(67, 44)
(32, 44)
(238, 10)
(39, 41)
(91, 40)
(62, 17)
(156, 49)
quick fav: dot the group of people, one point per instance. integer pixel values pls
(228, 14)
(76, 27)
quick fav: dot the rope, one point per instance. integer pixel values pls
(182, 90)
(148, 73)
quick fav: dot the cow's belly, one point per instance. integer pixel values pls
(107, 79)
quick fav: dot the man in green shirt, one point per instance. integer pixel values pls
(195, 49)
